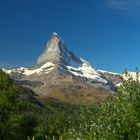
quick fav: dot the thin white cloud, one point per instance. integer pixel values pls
(124, 4)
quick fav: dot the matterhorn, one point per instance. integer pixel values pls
(59, 74)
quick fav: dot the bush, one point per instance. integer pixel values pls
(119, 116)
(13, 119)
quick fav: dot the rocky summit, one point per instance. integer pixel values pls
(61, 75)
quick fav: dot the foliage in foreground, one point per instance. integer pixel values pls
(117, 118)
(15, 120)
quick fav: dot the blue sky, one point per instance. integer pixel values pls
(104, 32)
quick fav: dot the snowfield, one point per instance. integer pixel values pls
(46, 68)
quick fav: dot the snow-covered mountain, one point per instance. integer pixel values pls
(60, 71)
(57, 55)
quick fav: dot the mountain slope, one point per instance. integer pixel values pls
(60, 74)
(115, 78)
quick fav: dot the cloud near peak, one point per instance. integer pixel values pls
(124, 4)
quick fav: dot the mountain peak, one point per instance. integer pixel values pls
(54, 34)
(52, 51)
(57, 53)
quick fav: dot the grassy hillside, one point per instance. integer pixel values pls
(17, 109)
(24, 116)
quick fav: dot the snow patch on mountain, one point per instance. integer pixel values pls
(113, 73)
(85, 70)
(46, 68)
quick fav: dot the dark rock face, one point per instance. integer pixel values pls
(31, 84)
(114, 78)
